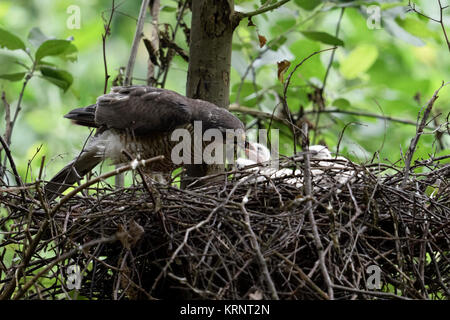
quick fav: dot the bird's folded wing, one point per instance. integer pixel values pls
(143, 109)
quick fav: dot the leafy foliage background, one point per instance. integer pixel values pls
(377, 71)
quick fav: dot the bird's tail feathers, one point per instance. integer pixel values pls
(71, 173)
(83, 116)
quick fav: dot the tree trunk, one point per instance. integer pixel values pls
(210, 59)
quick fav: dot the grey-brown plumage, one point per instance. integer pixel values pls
(140, 120)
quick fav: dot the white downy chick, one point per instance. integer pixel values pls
(258, 153)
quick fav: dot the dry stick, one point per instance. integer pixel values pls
(325, 78)
(330, 63)
(189, 230)
(10, 287)
(373, 293)
(119, 179)
(303, 276)
(8, 123)
(136, 41)
(284, 98)
(154, 41)
(257, 248)
(419, 132)
(19, 106)
(274, 6)
(169, 54)
(13, 167)
(308, 194)
(49, 266)
(265, 115)
(107, 32)
(440, 21)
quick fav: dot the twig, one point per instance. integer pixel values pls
(308, 194)
(286, 85)
(10, 287)
(265, 115)
(412, 7)
(330, 63)
(372, 293)
(189, 230)
(257, 248)
(154, 41)
(19, 105)
(65, 256)
(304, 276)
(242, 15)
(169, 54)
(288, 79)
(136, 41)
(8, 123)
(13, 167)
(132, 166)
(120, 179)
(107, 33)
(419, 131)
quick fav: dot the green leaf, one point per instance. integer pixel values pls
(359, 61)
(168, 9)
(276, 43)
(13, 76)
(323, 37)
(36, 37)
(10, 41)
(387, 6)
(62, 48)
(417, 27)
(308, 4)
(355, 3)
(341, 103)
(58, 77)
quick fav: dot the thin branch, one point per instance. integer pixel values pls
(107, 33)
(288, 79)
(419, 132)
(8, 122)
(136, 41)
(154, 42)
(10, 287)
(242, 15)
(286, 85)
(13, 166)
(412, 7)
(330, 63)
(308, 194)
(171, 47)
(65, 256)
(257, 248)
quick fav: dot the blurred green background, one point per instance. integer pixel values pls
(392, 70)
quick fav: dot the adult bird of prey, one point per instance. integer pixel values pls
(140, 120)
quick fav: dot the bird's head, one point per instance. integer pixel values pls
(257, 152)
(320, 152)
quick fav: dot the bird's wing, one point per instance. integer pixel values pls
(142, 109)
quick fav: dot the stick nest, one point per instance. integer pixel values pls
(246, 239)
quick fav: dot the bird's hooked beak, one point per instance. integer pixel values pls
(247, 146)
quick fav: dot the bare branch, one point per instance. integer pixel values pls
(419, 132)
(242, 15)
(136, 41)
